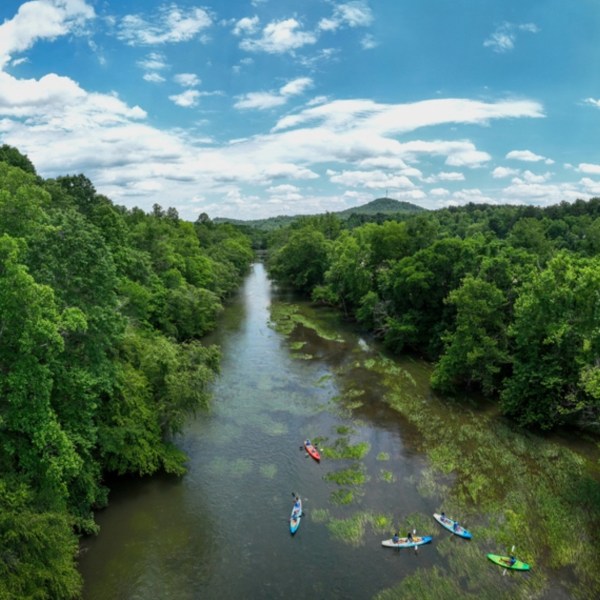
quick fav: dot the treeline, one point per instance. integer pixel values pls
(102, 310)
(504, 300)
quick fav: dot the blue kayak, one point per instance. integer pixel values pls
(296, 516)
(406, 543)
(452, 526)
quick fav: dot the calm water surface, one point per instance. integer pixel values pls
(222, 531)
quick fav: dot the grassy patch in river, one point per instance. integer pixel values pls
(285, 318)
(510, 487)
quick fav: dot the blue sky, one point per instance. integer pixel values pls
(256, 108)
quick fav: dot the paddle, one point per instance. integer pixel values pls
(414, 534)
(512, 550)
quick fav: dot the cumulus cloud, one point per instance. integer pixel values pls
(371, 179)
(528, 156)
(450, 176)
(171, 25)
(38, 20)
(279, 37)
(187, 79)
(247, 25)
(589, 168)
(502, 172)
(187, 99)
(503, 39)
(350, 14)
(265, 100)
(153, 77)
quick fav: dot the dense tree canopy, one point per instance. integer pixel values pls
(102, 314)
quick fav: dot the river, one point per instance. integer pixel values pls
(222, 530)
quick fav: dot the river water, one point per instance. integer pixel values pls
(222, 530)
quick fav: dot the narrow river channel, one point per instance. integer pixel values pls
(222, 530)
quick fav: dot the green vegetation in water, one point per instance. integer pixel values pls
(320, 515)
(508, 487)
(345, 430)
(383, 456)
(342, 449)
(381, 523)
(302, 356)
(352, 530)
(387, 476)
(297, 345)
(432, 584)
(343, 497)
(355, 475)
(285, 318)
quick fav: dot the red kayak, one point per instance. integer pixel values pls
(312, 450)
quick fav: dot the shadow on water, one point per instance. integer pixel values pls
(290, 371)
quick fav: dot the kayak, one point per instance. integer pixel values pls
(296, 516)
(312, 450)
(504, 561)
(406, 543)
(449, 524)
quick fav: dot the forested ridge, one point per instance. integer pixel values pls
(102, 312)
(505, 300)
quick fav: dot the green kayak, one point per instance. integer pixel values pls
(504, 561)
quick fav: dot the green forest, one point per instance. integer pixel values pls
(504, 300)
(102, 315)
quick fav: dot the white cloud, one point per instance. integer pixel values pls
(528, 156)
(41, 19)
(589, 168)
(544, 194)
(371, 179)
(474, 195)
(452, 176)
(187, 99)
(593, 102)
(503, 39)
(279, 37)
(591, 187)
(296, 86)
(529, 177)
(368, 42)
(246, 25)
(155, 61)
(351, 14)
(440, 192)
(401, 118)
(187, 79)
(172, 25)
(502, 172)
(259, 100)
(265, 100)
(153, 77)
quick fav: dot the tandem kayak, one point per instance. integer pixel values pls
(296, 516)
(452, 526)
(406, 543)
(312, 450)
(504, 561)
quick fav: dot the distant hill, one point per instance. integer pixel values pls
(380, 206)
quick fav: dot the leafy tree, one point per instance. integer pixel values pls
(12, 156)
(556, 338)
(301, 262)
(476, 352)
(348, 278)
